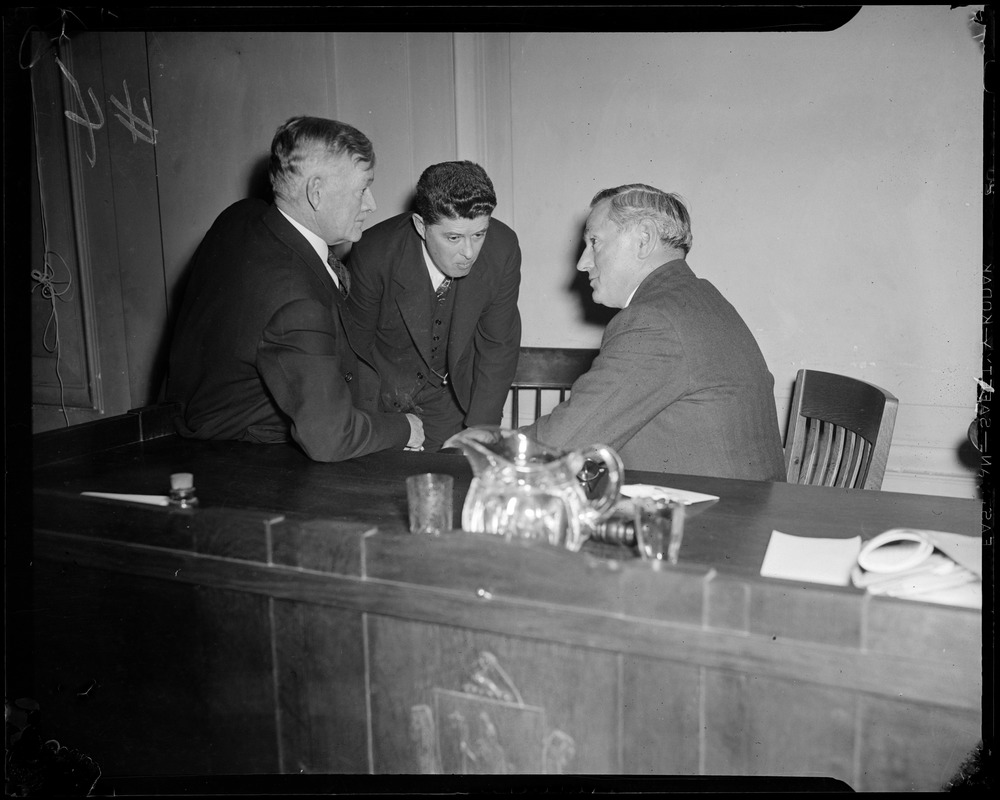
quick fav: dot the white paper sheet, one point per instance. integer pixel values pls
(665, 493)
(801, 558)
(150, 499)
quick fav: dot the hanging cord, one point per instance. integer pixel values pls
(45, 278)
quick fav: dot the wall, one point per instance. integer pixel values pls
(833, 178)
(834, 184)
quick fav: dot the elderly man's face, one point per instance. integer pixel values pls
(607, 258)
(346, 199)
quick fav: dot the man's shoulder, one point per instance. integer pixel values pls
(248, 209)
(388, 229)
(502, 233)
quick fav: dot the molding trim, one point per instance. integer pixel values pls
(470, 96)
(483, 112)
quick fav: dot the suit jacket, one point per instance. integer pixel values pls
(388, 303)
(679, 385)
(260, 351)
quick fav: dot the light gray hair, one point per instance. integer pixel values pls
(634, 202)
(303, 138)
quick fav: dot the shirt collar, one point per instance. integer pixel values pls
(322, 248)
(437, 276)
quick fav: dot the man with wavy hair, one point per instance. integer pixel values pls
(435, 302)
(261, 352)
(679, 384)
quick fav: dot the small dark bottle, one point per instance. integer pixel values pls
(182, 490)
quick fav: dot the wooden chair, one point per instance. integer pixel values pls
(839, 432)
(542, 369)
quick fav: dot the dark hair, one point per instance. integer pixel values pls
(454, 189)
(303, 138)
(634, 202)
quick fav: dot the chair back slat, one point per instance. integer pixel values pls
(544, 370)
(839, 432)
(835, 462)
(853, 452)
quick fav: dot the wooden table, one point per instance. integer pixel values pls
(290, 624)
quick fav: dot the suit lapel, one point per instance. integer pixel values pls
(296, 242)
(471, 295)
(411, 283)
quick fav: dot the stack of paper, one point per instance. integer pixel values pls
(932, 566)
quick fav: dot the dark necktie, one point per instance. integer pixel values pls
(442, 290)
(341, 272)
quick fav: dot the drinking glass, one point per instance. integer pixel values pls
(429, 496)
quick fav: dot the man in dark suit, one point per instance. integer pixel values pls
(435, 301)
(261, 352)
(679, 384)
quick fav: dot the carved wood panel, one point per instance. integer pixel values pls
(465, 702)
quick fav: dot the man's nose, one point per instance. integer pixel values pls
(468, 250)
(585, 263)
(370, 195)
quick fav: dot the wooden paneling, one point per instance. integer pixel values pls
(662, 724)
(60, 445)
(303, 644)
(571, 695)
(153, 677)
(758, 726)
(132, 142)
(698, 702)
(924, 758)
(320, 675)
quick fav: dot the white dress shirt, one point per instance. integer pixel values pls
(322, 248)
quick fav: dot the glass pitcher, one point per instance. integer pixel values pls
(522, 489)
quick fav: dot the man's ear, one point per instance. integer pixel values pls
(314, 191)
(646, 238)
(418, 223)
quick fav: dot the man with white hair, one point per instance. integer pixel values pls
(679, 384)
(261, 352)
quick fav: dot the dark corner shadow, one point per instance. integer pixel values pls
(259, 181)
(969, 454)
(593, 312)
(258, 187)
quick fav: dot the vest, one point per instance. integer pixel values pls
(440, 312)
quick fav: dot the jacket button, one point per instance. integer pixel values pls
(420, 376)
(348, 377)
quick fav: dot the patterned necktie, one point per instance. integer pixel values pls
(442, 290)
(341, 272)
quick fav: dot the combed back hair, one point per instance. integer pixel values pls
(302, 140)
(456, 190)
(635, 202)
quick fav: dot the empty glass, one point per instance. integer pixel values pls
(429, 496)
(659, 529)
